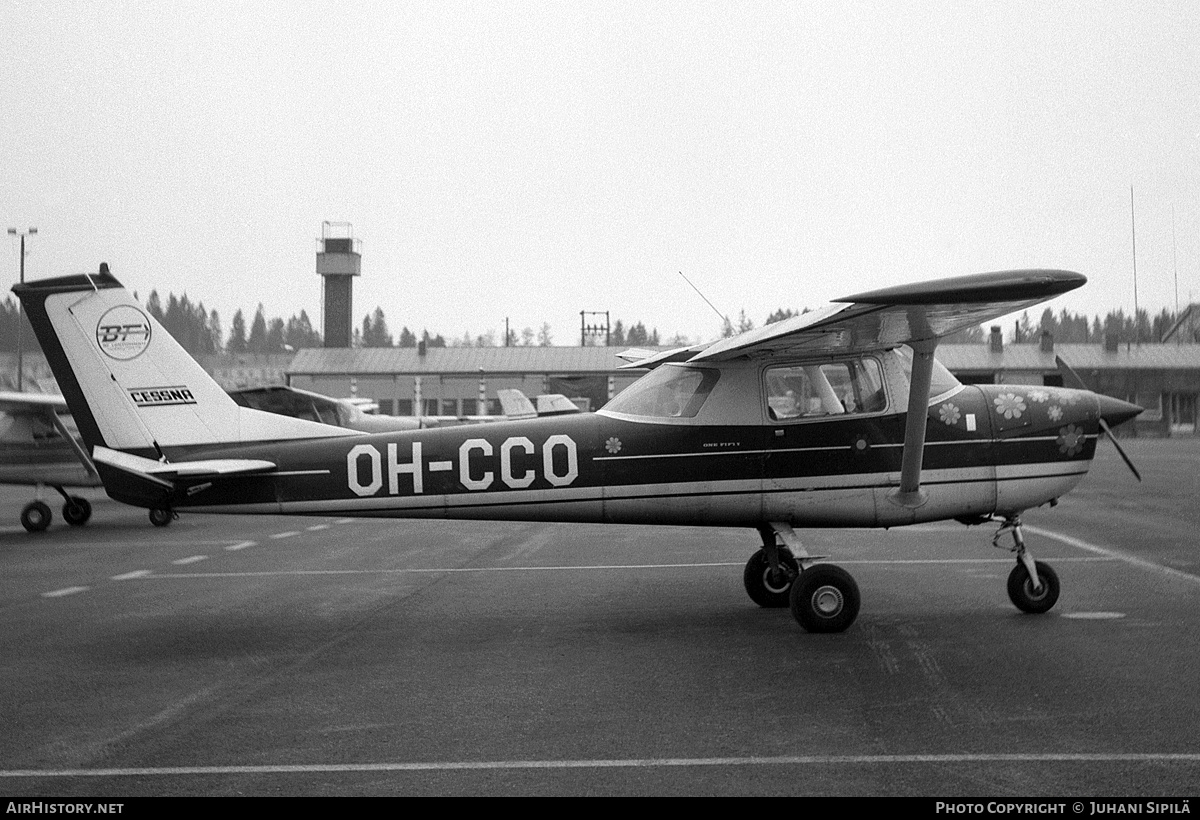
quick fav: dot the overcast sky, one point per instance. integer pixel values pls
(532, 160)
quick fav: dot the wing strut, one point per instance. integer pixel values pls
(80, 453)
(909, 494)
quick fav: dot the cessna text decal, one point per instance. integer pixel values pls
(515, 464)
(161, 396)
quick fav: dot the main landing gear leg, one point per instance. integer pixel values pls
(770, 572)
(76, 509)
(822, 597)
(1032, 585)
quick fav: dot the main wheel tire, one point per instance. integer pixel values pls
(1028, 599)
(825, 599)
(36, 516)
(766, 588)
(77, 511)
(160, 517)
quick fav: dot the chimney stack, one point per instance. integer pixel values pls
(997, 340)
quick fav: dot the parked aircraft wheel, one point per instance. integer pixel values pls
(825, 599)
(768, 589)
(160, 517)
(1025, 597)
(36, 516)
(77, 511)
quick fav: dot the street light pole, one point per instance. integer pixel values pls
(21, 310)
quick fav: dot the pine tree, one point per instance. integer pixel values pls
(257, 343)
(237, 334)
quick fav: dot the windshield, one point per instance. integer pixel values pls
(670, 391)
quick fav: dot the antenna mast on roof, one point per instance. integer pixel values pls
(724, 318)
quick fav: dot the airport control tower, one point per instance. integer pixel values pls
(339, 260)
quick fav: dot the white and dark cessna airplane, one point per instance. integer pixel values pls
(836, 418)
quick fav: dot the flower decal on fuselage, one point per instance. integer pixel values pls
(1009, 405)
(949, 414)
(1070, 440)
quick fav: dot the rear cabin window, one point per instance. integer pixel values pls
(831, 389)
(670, 391)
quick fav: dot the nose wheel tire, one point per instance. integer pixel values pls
(36, 516)
(766, 588)
(825, 599)
(1023, 594)
(77, 511)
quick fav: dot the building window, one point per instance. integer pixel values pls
(1183, 412)
(449, 407)
(404, 407)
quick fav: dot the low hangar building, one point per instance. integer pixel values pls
(462, 381)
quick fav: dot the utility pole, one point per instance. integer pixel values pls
(586, 330)
(1133, 227)
(21, 309)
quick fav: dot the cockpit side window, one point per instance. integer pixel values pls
(942, 382)
(852, 387)
(670, 391)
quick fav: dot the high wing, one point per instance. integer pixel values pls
(907, 314)
(23, 415)
(38, 403)
(916, 315)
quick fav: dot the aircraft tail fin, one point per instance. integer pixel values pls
(515, 404)
(128, 383)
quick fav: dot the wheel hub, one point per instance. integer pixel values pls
(828, 601)
(1036, 594)
(776, 581)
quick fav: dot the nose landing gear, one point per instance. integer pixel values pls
(1032, 585)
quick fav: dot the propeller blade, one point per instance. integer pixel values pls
(1070, 377)
(1108, 431)
(1119, 410)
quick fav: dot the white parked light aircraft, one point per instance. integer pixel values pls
(38, 447)
(836, 418)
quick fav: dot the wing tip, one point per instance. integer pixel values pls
(997, 286)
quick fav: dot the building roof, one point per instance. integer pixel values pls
(603, 360)
(980, 357)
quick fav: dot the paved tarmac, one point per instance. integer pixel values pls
(327, 656)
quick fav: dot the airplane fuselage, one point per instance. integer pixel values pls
(991, 448)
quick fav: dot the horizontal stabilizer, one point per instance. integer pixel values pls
(164, 471)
